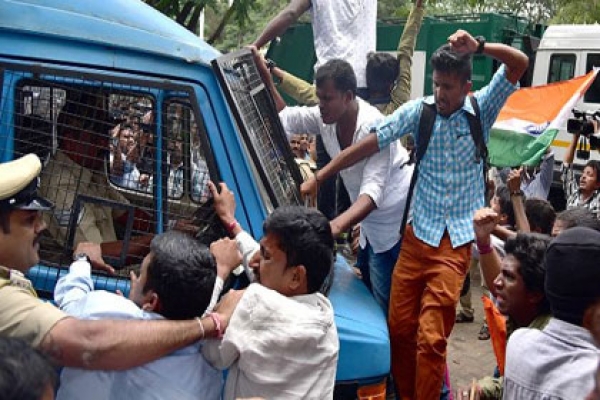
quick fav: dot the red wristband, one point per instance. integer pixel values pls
(217, 320)
(484, 248)
(231, 226)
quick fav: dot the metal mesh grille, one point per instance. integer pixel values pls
(260, 126)
(111, 152)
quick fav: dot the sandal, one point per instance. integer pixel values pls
(484, 333)
(462, 318)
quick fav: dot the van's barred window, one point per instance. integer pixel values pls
(260, 126)
(111, 151)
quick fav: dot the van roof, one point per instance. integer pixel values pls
(129, 24)
(571, 37)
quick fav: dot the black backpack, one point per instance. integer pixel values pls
(426, 122)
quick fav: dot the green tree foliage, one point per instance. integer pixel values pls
(185, 12)
(230, 27)
(391, 9)
(577, 12)
(536, 11)
(244, 30)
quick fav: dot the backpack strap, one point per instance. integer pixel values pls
(481, 150)
(426, 122)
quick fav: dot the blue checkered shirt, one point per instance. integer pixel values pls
(450, 184)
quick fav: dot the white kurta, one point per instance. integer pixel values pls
(278, 347)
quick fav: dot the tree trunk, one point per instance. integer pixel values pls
(192, 24)
(224, 21)
(185, 11)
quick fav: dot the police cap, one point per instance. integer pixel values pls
(19, 181)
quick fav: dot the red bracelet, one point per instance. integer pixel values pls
(231, 226)
(217, 320)
(484, 248)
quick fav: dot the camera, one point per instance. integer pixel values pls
(583, 124)
(117, 116)
(584, 128)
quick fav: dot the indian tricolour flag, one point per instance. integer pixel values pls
(531, 119)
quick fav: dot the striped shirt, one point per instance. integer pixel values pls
(574, 198)
(450, 184)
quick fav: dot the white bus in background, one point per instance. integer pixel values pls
(567, 51)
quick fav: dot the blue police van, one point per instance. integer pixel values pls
(125, 82)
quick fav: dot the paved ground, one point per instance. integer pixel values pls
(469, 357)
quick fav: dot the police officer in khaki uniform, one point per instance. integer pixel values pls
(21, 313)
(84, 344)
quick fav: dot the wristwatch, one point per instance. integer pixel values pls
(81, 257)
(270, 64)
(480, 44)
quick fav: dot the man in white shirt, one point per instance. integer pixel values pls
(343, 29)
(377, 185)
(282, 341)
(176, 282)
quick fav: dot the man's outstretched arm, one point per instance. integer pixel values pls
(348, 157)
(267, 79)
(119, 345)
(282, 21)
(358, 211)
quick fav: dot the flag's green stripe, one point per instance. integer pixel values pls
(512, 149)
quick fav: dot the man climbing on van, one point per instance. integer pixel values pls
(342, 29)
(436, 244)
(388, 78)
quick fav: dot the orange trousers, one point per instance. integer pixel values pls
(426, 286)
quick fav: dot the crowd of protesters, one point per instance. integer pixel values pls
(424, 214)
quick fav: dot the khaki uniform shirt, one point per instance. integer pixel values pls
(22, 314)
(61, 180)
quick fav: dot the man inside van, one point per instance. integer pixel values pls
(78, 168)
(68, 341)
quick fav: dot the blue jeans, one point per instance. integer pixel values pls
(381, 266)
